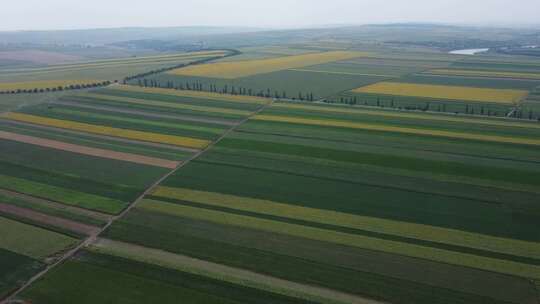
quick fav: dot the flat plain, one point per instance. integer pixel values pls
(310, 173)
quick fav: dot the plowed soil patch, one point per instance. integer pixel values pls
(134, 158)
(48, 220)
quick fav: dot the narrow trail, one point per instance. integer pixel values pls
(94, 236)
(228, 273)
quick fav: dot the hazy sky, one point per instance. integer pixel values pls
(70, 14)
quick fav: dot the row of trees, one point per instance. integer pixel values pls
(166, 69)
(226, 89)
(352, 100)
(106, 83)
(434, 107)
(58, 88)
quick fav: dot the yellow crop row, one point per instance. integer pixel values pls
(30, 85)
(444, 92)
(406, 130)
(194, 94)
(169, 104)
(484, 73)
(109, 131)
(395, 114)
(119, 62)
(237, 69)
(409, 230)
(342, 238)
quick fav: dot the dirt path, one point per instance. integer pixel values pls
(98, 136)
(58, 145)
(240, 274)
(34, 200)
(147, 114)
(93, 237)
(231, 274)
(48, 220)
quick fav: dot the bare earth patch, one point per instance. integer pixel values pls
(134, 158)
(49, 220)
(35, 200)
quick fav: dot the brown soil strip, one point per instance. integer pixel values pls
(94, 236)
(147, 114)
(189, 264)
(58, 145)
(76, 210)
(97, 136)
(48, 220)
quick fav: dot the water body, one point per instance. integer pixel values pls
(468, 51)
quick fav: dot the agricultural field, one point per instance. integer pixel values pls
(291, 75)
(311, 203)
(444, 92)
(63, 75)
(320, 171)
(407, 80)
(71, 163)
(232, 70)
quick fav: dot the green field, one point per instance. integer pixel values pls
(366, 165)
(115, 69)
(15, 268)
(32, 241)
(134, 282)
(442, 201)
(328, 264)
(290, 82)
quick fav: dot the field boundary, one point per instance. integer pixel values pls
(89, 151)
(227, 273)
(11, 299)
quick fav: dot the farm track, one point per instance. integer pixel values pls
(48, 220)
(143, 113)
(92, 238)
(183, 262)
(96, 152)
(60, 206)
(99, 136)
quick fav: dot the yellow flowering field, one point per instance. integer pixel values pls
(444, 92)
(377, 127)
(103, 130)
(410, 230)
(401, 114)
(237, 69)
(356, 240)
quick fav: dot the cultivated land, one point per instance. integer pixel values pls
(63, 75)
(444, 92)
(68, 165)
(338, 183)
(231, 70)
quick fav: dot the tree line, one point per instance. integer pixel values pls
(434, 107)
(58, 88)
(231, 52)
(225, 89)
